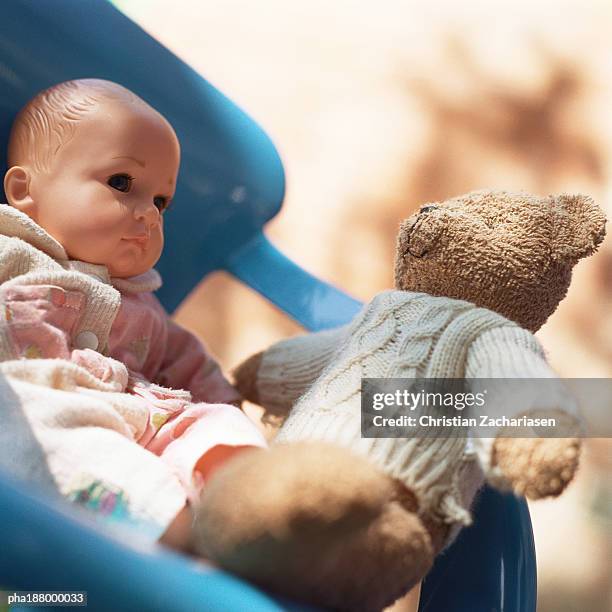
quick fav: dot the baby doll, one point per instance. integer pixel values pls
(92, 168)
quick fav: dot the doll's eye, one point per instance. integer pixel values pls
(120, 182)
(161, 203)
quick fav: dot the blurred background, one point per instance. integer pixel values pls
(377, 108)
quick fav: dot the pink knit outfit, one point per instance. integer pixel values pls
(192, 412)
(188, 416)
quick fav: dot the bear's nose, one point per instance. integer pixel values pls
(423, 234)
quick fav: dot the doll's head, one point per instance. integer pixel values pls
(95, 166)
(510, 252)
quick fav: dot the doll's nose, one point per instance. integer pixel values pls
(147, 212)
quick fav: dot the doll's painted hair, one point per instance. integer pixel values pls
(52, 117)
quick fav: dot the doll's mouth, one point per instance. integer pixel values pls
(140, 241)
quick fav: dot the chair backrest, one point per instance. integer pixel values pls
(231, 183)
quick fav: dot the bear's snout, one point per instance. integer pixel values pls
(424, 231)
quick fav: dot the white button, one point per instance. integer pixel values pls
(86, 339)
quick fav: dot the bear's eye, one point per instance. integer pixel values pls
(427, 209)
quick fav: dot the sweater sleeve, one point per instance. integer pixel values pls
(495, 360)
(188, 365)
(291, 366)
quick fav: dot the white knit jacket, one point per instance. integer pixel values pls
(402, 334)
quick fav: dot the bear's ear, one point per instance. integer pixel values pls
(579, 227)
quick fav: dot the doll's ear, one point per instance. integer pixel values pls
(17, 189)
(580, 227)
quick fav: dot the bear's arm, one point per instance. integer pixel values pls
(510, 352)
(287, 369)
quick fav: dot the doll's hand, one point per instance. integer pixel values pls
(104, 368)
(538, 467)
(245, 377)
(167, 399)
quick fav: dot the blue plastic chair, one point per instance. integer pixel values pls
(231, 183)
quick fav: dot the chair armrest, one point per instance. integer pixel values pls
(311, 302)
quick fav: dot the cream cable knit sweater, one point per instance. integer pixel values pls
(402, 335)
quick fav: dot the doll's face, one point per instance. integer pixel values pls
(104, 196)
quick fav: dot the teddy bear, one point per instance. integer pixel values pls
(475, 277)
